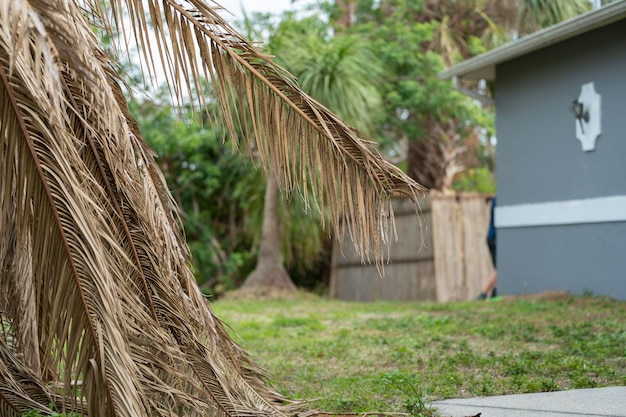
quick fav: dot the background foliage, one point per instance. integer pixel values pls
(388, 54)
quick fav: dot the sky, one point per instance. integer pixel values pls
(250, 6)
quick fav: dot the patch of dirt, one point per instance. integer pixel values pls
(545, 296)
(266, 294)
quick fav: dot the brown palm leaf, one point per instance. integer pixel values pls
(288, 128)
(98, 301)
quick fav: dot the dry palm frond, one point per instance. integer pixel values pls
(20, 389)
(95, 287)
(287, 127)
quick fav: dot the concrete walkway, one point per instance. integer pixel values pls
(594, 402)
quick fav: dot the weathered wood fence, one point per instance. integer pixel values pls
(441, 255)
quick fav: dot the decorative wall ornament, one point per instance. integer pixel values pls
(587, 111)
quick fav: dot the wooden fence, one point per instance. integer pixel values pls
(441, 255)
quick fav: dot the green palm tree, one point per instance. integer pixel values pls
(495, 22)
(100, 312)
(338, 71)
(463, 28)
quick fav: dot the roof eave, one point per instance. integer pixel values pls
(484, 66)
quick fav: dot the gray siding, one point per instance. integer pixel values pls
(539, 159)
(581, 258)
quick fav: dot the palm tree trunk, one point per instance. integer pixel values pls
(435, 160)
(270, 273)
(347, 12)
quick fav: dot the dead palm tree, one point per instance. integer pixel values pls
(100, 312)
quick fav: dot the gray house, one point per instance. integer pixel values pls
(561, 159)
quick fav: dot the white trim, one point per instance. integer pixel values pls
(588, 131)
(483, 66)
(589, 210)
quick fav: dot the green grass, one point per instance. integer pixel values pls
(395, 357)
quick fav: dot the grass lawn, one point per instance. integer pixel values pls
(393, 357)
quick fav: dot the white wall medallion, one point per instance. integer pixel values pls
(587, 111)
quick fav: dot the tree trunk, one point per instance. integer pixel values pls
(425, 163)
(270, 273)
(346, 17)
(435, 160)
